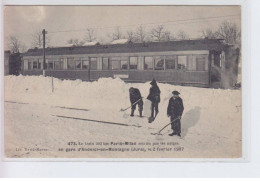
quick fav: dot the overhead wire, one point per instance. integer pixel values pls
(197, 20)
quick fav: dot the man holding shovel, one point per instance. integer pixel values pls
(154, 97)
(135, 98)
(174, 111)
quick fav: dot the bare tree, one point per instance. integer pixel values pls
(131, 36)
(181, 35)
(37, 39)
(229, 32)
(157, 33)
(160, 34)
(140, 34)
(208, 33)
(168, 36)
(90, 35)
(23, 48)
(75, 42)
(117, 34)
(14, 44)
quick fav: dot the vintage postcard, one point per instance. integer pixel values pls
(139, 82)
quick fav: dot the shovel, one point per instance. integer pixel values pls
(159, 133)
(131, 105)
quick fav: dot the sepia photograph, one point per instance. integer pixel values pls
(123, 82)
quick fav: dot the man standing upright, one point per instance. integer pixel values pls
(135, 98)
(154, 97)
(175, 110)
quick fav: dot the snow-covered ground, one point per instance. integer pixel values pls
(211, 122)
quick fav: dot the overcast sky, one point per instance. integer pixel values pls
(23, 21)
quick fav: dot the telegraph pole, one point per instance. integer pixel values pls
(44, 61)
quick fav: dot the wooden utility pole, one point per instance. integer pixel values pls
(44, 61)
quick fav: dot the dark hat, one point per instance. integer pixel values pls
(153, 82)
(175, 93)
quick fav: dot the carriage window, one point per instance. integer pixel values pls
(191, 65)
(63, 63)
(26, 64)
(158, 63)
(93, 63)
(49, 63)
(85, 63)
(124, 64)
(117, 63)
(133, 63)
(105, 63)
(170, 62)
(78, 63)
(35, 64)
(217, 59)
(182, 63)
(71, 63)
(40, 60)
(201, 62)
(57, 64)
(30, 65)
(148, 63)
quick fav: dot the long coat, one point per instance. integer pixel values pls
(154, 94)
(135, 96)
(175, 107)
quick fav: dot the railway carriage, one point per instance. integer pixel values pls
(202, 63)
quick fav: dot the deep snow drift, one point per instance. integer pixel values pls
(211, 122)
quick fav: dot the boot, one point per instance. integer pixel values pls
(132, 113)
(152, 114)
(151, 119)
(156, 112)
(172, 134)
(140, 113)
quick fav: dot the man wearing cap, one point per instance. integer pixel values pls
(135, 98)
(154, 97)
(174, 111)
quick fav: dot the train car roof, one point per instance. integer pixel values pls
(182, 45)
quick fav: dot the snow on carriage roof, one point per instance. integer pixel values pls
(119, 41)
(91, 43)
(68, 45)
(201, 44)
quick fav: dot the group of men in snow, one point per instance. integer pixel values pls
(174, 110)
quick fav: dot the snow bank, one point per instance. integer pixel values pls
(209, 114)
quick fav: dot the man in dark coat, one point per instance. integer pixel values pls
(174, 111)
(136, 98)
(154, 97)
